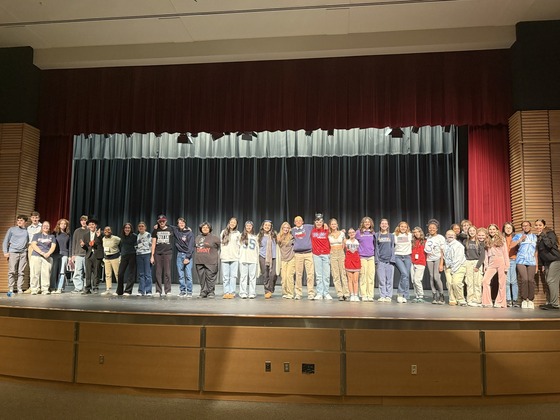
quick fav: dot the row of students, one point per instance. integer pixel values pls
(319, 249)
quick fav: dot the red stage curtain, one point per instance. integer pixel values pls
(461, 88)
(489, 186)
(54, 179)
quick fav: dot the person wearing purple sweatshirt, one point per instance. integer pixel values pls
(385, 259)
(304, 257)
(366, 238)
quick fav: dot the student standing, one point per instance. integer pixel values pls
(366, 237)
(112, 259)
(526, 263)
(248, 261)
(229, 257)
(496, 261)
(418, 261)
(285, 242)
(321, 249)
(474, 253)
(207, 251)
(92, 243)
(434, 244)
(62, 250)
(336, 240)
(352, 264)
(14, 247)
(143, 254)
(43, 245)
(129, 240)
(267, 256)
(184, 243)
(403, 251)
(303, 257)
(162, 252)
(512, 288)
(78, 256)
(549, 262)
(385, 259)
(454, 259)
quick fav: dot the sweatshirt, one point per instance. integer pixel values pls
(385, 247)
(366, 240)
(16, 240)
(302, 239)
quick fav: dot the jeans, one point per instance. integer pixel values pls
(78, 277)
(511, 282)
(248, 272)
(144, 274)
(403, 263)
(230, 270)
(185, 273)
(385, 271)
(17, 263)
(322, 266)
(62, 272)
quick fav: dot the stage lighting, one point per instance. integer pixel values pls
(388, 131)
(330, 133)
(396, 133)
(308, 133)
(247, 136)
(414, 129)
(184, 138)
(447, 129)
(194, 135)
(216, 136)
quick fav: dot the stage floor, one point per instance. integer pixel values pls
(271, 312)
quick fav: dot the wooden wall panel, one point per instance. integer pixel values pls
(138, 366)
(134, 334)
(19, 154)
(522, 373)
(405, 341)
(37, 359)
(243, 371)
(273, 338)
(37, 329)
(522, 341)
(389, 374)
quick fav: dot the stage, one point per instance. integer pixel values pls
(276, 311)
(247, 349)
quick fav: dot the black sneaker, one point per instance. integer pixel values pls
(549, 306)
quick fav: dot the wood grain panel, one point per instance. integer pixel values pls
(37, 359)
(134, 334)
(273, 338)
(37, 329)
(389, 374)
(412, 341)
(229, 370)
(522, 373)
(521, 341)
(141, 367)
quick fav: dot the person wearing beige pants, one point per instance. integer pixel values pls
(112, 259)
(303, 257)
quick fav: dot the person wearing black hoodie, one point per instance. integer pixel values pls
(549, 262)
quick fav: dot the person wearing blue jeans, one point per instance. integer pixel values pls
(143, 266)
(512, 288)
(184, 242)
(403, 261)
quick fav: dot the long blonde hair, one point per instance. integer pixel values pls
(284, 239)
(495, 240)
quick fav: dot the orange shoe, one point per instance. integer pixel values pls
(267, 295)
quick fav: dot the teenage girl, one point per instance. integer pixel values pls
(285, 242)
(366, 238)
(352, 264)
(267, 257)
(418, 260)
(403, 251)
(336, 239)
(496, 261)
(229, 256)
(248, 261)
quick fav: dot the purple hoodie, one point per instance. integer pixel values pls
(366, 240)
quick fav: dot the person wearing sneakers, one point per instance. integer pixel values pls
(366, 238)
(33, 228)
(162, 252)
(321, 249)
(78, 256)
(60, 255)
(267, 257)
(403, 251)
(418, 260)
(303, 257)
(385, 259)
(285, 242)
(340, 280)
(496, 260)
(112, 258)
(229, 257)
(434, 244)
(15, 250)
(454, 259)
(43, 245)
(91, 242)
(184, 243)
(474, 252)
(526, 263)
(352, 264)
(143, 254)
(512, 286)
(127, 267)
(549, 261)
(248, 262)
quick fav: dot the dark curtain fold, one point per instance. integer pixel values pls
(489, 182)
(414, 188)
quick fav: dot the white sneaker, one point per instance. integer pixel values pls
(126, 294)
(107, 292)
(381, 299)
(252, 296)
(524, 304)
(401, 299)
(530, 304)
(318, 297)
(327, 297)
